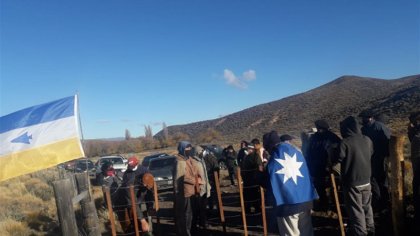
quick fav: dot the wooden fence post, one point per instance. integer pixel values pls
(90, 216)
(110, 211)
(63, 191)
(337, 204)
(241, 196)
(134, 210)
(396, 149)
(219, 200)
(263, 211)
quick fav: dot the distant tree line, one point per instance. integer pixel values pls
(94, 148)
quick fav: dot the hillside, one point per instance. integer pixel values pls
(347, 95)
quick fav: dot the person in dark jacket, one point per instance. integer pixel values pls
(212, 166)
(133, 176)
(230, 157)
(355, 152)
(321, 147)
(380, 136)
(108, 178)
(242, 152)
(251, 172)
(414, 137)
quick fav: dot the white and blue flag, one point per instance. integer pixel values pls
(39, 137)
(289, 176)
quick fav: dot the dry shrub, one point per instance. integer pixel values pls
(17, 208)
(40, 189)
(14, 228)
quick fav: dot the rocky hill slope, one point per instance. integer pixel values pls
(347, 95)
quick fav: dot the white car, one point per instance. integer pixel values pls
(118, 162)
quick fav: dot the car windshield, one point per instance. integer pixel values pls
(115, 160)
(161, 163)
(82, 165)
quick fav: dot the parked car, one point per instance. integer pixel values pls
(147, 159)
(69, 165)
(162, 170)
(84, 165)
(118, 162)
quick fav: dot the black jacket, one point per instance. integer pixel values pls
(355, 151)
(320, 147)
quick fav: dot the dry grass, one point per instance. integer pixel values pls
(14, 228)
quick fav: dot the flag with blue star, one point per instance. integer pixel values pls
(289, 176)
(39, 137)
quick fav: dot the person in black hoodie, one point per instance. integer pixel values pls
(321, 146)
(380, 136)
(355, 152)
(230, 157)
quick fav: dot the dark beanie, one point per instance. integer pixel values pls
(322, 124)
(270, 140)
(285, 137)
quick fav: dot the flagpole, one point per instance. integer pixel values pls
(82, 139)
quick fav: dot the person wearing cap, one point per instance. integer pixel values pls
(187, 183)
(322, 146)
(251, 172)
(414, 137)
(134, 176)
(380, 136)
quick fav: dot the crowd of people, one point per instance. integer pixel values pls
(296, 181)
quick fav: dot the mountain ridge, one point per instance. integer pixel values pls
(333, 101)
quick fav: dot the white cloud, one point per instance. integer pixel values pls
(249, 75)
(239, 82)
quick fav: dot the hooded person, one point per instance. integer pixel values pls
(355, 152)
(290, 185)
(380, 136)
(212, 166)
(322, 146)
(186, 185)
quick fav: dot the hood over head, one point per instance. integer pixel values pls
(182, 146)
(349, 126)
(270, 140)
(322, 124)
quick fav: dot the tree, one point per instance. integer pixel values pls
(148, 132)
(165, 131)
(127, 134)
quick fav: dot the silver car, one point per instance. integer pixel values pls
(162, 169)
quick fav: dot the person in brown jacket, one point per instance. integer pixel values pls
(186, 185)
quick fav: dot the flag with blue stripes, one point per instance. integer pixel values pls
(39, 137)
(289, 176)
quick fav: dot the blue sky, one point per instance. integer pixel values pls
(145, 62)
